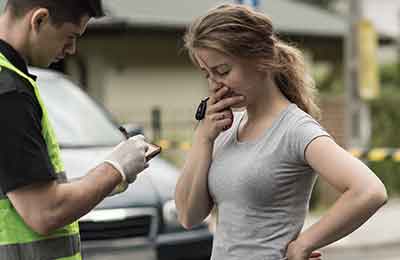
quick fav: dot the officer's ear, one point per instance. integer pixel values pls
(39, 17)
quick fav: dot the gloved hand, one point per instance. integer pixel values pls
(129, 158)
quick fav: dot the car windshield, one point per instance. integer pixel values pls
(77, 120)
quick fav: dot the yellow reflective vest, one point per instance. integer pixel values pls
(17, 240)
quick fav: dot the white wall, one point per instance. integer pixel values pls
(132, 93)
(131, 74)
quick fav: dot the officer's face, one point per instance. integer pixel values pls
(51, 43)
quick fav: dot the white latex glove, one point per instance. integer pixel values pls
(129, 158)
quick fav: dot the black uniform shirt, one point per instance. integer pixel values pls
(24, 158)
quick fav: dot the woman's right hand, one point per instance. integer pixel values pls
(219, 116)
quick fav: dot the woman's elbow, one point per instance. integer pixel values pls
(377, 195)
(184, 216)
(188, 219)
(381, 195)
(186, 224)
(185, 221)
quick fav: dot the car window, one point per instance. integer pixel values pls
(77, 120)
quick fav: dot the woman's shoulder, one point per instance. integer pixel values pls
(302, 124)
(298, 117)
(302, 130)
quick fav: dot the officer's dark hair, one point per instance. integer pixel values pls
(61, 11)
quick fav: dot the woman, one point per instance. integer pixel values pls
(258, 166)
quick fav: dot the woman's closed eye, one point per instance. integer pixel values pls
(223, 73)
(223, 70)
(219, 71)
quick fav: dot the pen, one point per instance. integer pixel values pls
(124, 132)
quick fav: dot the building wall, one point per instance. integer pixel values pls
(132, 74)
(333, 111)
(134, 92)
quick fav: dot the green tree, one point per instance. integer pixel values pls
(385, 116)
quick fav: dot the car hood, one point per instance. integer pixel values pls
(152, 187)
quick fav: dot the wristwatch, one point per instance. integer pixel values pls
(201, 109)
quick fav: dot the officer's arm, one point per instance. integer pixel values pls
(48, 206)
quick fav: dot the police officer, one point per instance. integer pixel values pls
(38, 211)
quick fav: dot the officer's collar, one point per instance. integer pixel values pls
(15, 58)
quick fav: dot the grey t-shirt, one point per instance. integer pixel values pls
(262, 188)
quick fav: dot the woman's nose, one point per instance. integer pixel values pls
(215, 85)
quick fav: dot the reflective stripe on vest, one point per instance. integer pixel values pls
(17, 240)
(43, 249)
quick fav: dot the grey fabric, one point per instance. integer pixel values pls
(262, 188)
(49, 249)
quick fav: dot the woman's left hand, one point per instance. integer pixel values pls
(295, 252)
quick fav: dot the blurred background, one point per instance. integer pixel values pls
(132, 62)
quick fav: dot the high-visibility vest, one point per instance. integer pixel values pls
(17, 240)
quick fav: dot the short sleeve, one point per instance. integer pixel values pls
(302, 134)
(23, 154)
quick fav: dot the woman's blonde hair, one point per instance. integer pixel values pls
(238, 31)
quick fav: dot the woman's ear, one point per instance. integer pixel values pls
(39, 17)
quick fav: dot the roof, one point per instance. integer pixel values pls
(300, 18)
(287, 16)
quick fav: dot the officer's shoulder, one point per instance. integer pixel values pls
(10, 81)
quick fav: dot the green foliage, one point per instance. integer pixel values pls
(389, 75)
(385, 111)
(385, 115)
(389, 173)
(328, 77)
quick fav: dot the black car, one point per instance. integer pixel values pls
(140, 223)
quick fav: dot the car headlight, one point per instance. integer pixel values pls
(170, 214)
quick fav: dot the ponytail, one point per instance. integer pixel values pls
(293, 80)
